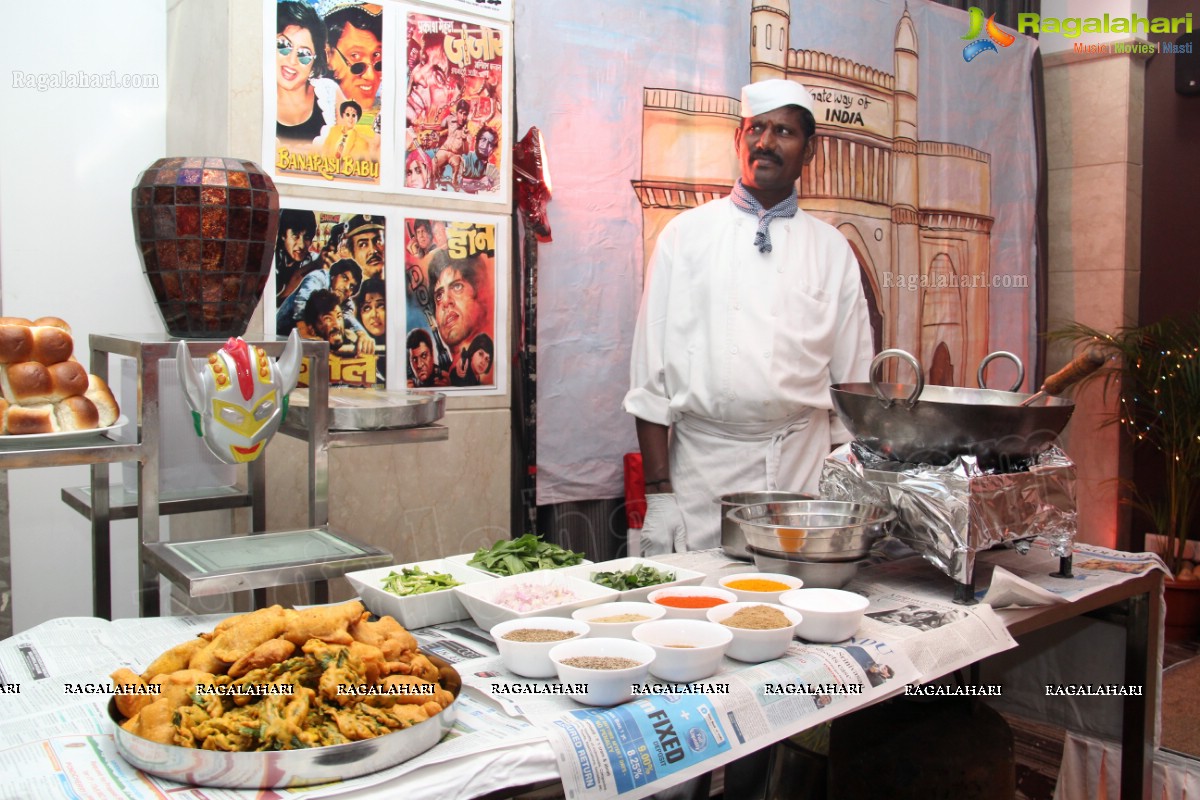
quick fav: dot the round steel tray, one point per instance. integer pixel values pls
(287, 768)
(372, 409)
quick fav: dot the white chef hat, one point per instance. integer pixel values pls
(763, 96)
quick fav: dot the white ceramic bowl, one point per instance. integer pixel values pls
(617, 630)
(830, 615)
(675, 612)
(480, 597)
(602, 687)
(788, 582)
(418, 610)
(685, 650)
(683, 577)
(532, 659)
(752, 645)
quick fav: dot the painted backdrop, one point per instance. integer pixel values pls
(925, 162)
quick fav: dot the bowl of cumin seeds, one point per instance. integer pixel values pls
(601, 671)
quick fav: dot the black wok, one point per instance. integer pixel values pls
(936, 424)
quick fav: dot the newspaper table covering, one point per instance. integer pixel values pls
(677, 731)
(56, 743)
(56, 738)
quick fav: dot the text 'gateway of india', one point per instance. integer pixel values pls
(922, 244)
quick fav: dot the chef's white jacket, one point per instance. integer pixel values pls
(736, 350)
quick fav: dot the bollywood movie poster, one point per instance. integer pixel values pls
(455, 131)
(329, 283)
(325, 110)
(455, 297)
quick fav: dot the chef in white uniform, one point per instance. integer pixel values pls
(752, 309)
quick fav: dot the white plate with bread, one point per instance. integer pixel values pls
(59, 438)
(47, 398)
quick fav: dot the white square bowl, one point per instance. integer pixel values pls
(418, 610)
(462, 559)
(479, 597)
(683, 577)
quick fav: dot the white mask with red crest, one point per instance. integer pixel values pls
(239, 397)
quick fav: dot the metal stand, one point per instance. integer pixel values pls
(98, 453)
(185, 565)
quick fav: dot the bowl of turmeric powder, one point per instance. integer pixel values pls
(759, 587)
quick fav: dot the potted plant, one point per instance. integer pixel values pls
(1156, 373)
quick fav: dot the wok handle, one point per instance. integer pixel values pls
(990, 357)
(877, 368)
(1079, 368)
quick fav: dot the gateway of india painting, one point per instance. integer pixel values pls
(873, 178)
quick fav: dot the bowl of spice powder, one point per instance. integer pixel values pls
(690, 602)
(601, 672)
(759, 587)
(685, 650)
(617, 620)
(761, 631)
(525, 643)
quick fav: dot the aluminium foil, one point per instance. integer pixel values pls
(949, 513)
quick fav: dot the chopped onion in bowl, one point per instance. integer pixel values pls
(531, 596)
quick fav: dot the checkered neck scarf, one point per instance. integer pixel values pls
(747, 202)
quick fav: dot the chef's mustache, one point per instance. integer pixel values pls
(765, 155)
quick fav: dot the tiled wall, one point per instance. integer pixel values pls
(1094, 111)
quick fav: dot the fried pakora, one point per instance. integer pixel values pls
(279, 679)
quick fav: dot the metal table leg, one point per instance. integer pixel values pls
(1142, 659)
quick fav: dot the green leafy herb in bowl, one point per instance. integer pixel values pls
(523, 554)
(638, 577)
(414, 580)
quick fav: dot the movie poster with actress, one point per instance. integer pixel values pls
(329, 284)
(455, 303)
(456, 136)
(325, 116)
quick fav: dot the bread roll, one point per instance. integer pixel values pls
(16, 343)
(44, 388)
(30, 382)
(48, 344)
(76, 414)
(23, 420)
(52, 322)
(106, 405)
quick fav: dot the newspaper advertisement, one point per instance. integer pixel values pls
(668, 731)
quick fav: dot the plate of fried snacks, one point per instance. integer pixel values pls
(282, 697)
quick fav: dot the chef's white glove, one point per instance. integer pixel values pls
(662, 528)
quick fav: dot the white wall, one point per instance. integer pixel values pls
(68, 159)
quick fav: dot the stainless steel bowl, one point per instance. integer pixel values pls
(815, 574)
(287, 768)
(733, 541)
(813, 530)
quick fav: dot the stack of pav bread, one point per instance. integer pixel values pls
(43, 389)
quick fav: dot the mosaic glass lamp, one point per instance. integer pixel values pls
(205, 230)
